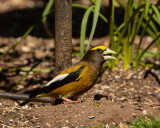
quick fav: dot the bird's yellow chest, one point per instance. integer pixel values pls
(85, 82)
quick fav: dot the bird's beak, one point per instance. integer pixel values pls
(107, 54)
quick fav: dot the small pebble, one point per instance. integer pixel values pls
(133, 114)
(138, 109)
(149, 39)
(26, 49)
(91, 117)
(144, 112)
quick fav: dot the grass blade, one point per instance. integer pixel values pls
(147, 7)
(155, 9)
(144, 51)
(48, 7)
(121, 4)
(45, 13)
(19, 41)
(85, 7)
(83, 30)
(95, 19)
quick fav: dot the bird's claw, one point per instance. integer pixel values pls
(69, 101)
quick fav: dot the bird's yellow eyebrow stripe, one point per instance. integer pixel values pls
(99, 47)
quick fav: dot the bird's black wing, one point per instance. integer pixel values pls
(73, 76)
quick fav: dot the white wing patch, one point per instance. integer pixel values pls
(57, 78)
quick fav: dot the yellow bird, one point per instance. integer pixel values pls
(77, 79)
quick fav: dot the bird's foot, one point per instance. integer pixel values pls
(69, 101)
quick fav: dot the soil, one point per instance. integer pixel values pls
(118, 97)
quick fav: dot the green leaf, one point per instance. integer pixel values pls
(155, 9)
(47, 11)
(147, 7)
(121, 3)
(156, 19)
(85, 7)
(19, 41)
(119, 29)
(95, 19)
(48, 8)
(83, 30)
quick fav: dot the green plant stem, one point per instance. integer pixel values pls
(144, 51)
(126, 46)
(85, 8)
(44, 19)
(141, 38)
(95, 19)
(27, 73)
(119, 29)
(125, 28)
(26, 70)
(135, 25)
(23, 77)
(146, 10)
(121, 4)
(48, 7)
(19, 41)
(84, 24)
(111, 29)
(132, 32)
(83, 30)
(45, 13)
(143, 32)
(150, 65)
(102, 9)
(92, 1)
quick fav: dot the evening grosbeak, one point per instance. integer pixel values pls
(77, 79)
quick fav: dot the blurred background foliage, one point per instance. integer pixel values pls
(140, 18)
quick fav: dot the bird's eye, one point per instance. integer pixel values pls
(99, 50)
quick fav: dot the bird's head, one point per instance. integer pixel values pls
(104, 51)
(99, 54)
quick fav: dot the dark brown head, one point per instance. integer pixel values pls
(98, 55)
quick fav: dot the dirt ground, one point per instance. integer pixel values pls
(118, 97)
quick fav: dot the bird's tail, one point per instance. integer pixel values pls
(30, 99)
(34, 95)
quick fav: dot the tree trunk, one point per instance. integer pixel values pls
(63, 34)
